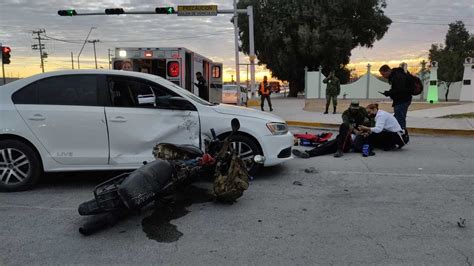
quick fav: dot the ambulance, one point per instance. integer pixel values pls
(176, 64)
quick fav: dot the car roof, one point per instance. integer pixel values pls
(89, 71)
(22, 82)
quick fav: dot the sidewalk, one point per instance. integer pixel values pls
(419, 122)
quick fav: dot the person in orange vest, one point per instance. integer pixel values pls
(264, 91)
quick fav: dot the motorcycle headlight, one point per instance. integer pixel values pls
(277, 128)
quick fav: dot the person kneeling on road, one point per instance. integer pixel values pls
(387, 133)
(349, 135)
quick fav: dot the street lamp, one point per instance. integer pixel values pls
(85, 41)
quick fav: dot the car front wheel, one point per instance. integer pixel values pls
(247, 148)
(20, 167)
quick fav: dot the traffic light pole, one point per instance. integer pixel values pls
(237, 65)
(235, 11)
(3, 73)
(249, 12)
(3, 66)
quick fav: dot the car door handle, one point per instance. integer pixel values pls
(37, 117)
(119, 119)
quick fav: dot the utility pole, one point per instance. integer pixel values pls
(109, 54)
(72, 61)
(95, 55)
(80, 52)
(39, 46)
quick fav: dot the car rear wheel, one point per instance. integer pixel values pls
(247, 148)
(20, 167)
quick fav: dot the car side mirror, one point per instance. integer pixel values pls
(147, 99)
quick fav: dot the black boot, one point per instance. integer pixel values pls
(327, 107)
(334, 110)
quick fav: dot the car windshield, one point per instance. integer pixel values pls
(185, 92)
(229, 88)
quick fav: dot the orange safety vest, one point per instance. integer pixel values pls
(263, 90)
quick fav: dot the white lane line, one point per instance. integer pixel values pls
(398, 174)
(36, 207)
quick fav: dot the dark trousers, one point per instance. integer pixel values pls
(342, 143)
(262, 99)
(204, 93)
(400, 111)
(344, 138)
(385, 140)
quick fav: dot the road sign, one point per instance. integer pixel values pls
(197, 10)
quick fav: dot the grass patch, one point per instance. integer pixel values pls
(465, 115)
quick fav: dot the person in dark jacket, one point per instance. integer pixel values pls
(202, 86)
(399, 92)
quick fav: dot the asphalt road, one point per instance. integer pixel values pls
(398, 207)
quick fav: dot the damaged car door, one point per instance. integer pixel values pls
(143, 113)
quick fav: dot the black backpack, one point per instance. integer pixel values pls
(415, 84)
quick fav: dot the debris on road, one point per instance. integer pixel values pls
(311, 170)
(462, 222)
(297, 183)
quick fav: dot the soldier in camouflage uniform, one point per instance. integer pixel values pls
(352, 118)
(333, 89)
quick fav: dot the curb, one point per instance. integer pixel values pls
(411, 130)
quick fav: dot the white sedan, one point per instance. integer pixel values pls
(230, 94)
(106, 119)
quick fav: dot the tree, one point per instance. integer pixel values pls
(458, 45)
(292, 34)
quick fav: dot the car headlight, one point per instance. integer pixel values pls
(277, 128)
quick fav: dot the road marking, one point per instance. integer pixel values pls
(398, 174)
(36, 207)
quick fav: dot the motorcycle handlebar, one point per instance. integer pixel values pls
(213, 132)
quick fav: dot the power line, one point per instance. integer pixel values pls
(143, 40)
(400, 22)
(62, 40)
(425, 15)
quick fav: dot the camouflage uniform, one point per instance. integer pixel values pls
(333, 89)
(360, 117)
(351, 119)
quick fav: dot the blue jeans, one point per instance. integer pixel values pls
(400, 111)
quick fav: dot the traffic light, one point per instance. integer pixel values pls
(165, 10)
(6, 55)
(70, 12)
(114, 11)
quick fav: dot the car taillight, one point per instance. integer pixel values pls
(173, 69)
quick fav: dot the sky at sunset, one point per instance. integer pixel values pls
(416, 25)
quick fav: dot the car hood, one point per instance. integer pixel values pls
(247, 112)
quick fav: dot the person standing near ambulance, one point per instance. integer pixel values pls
(264, 91)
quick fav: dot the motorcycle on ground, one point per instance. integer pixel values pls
(175, 167)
